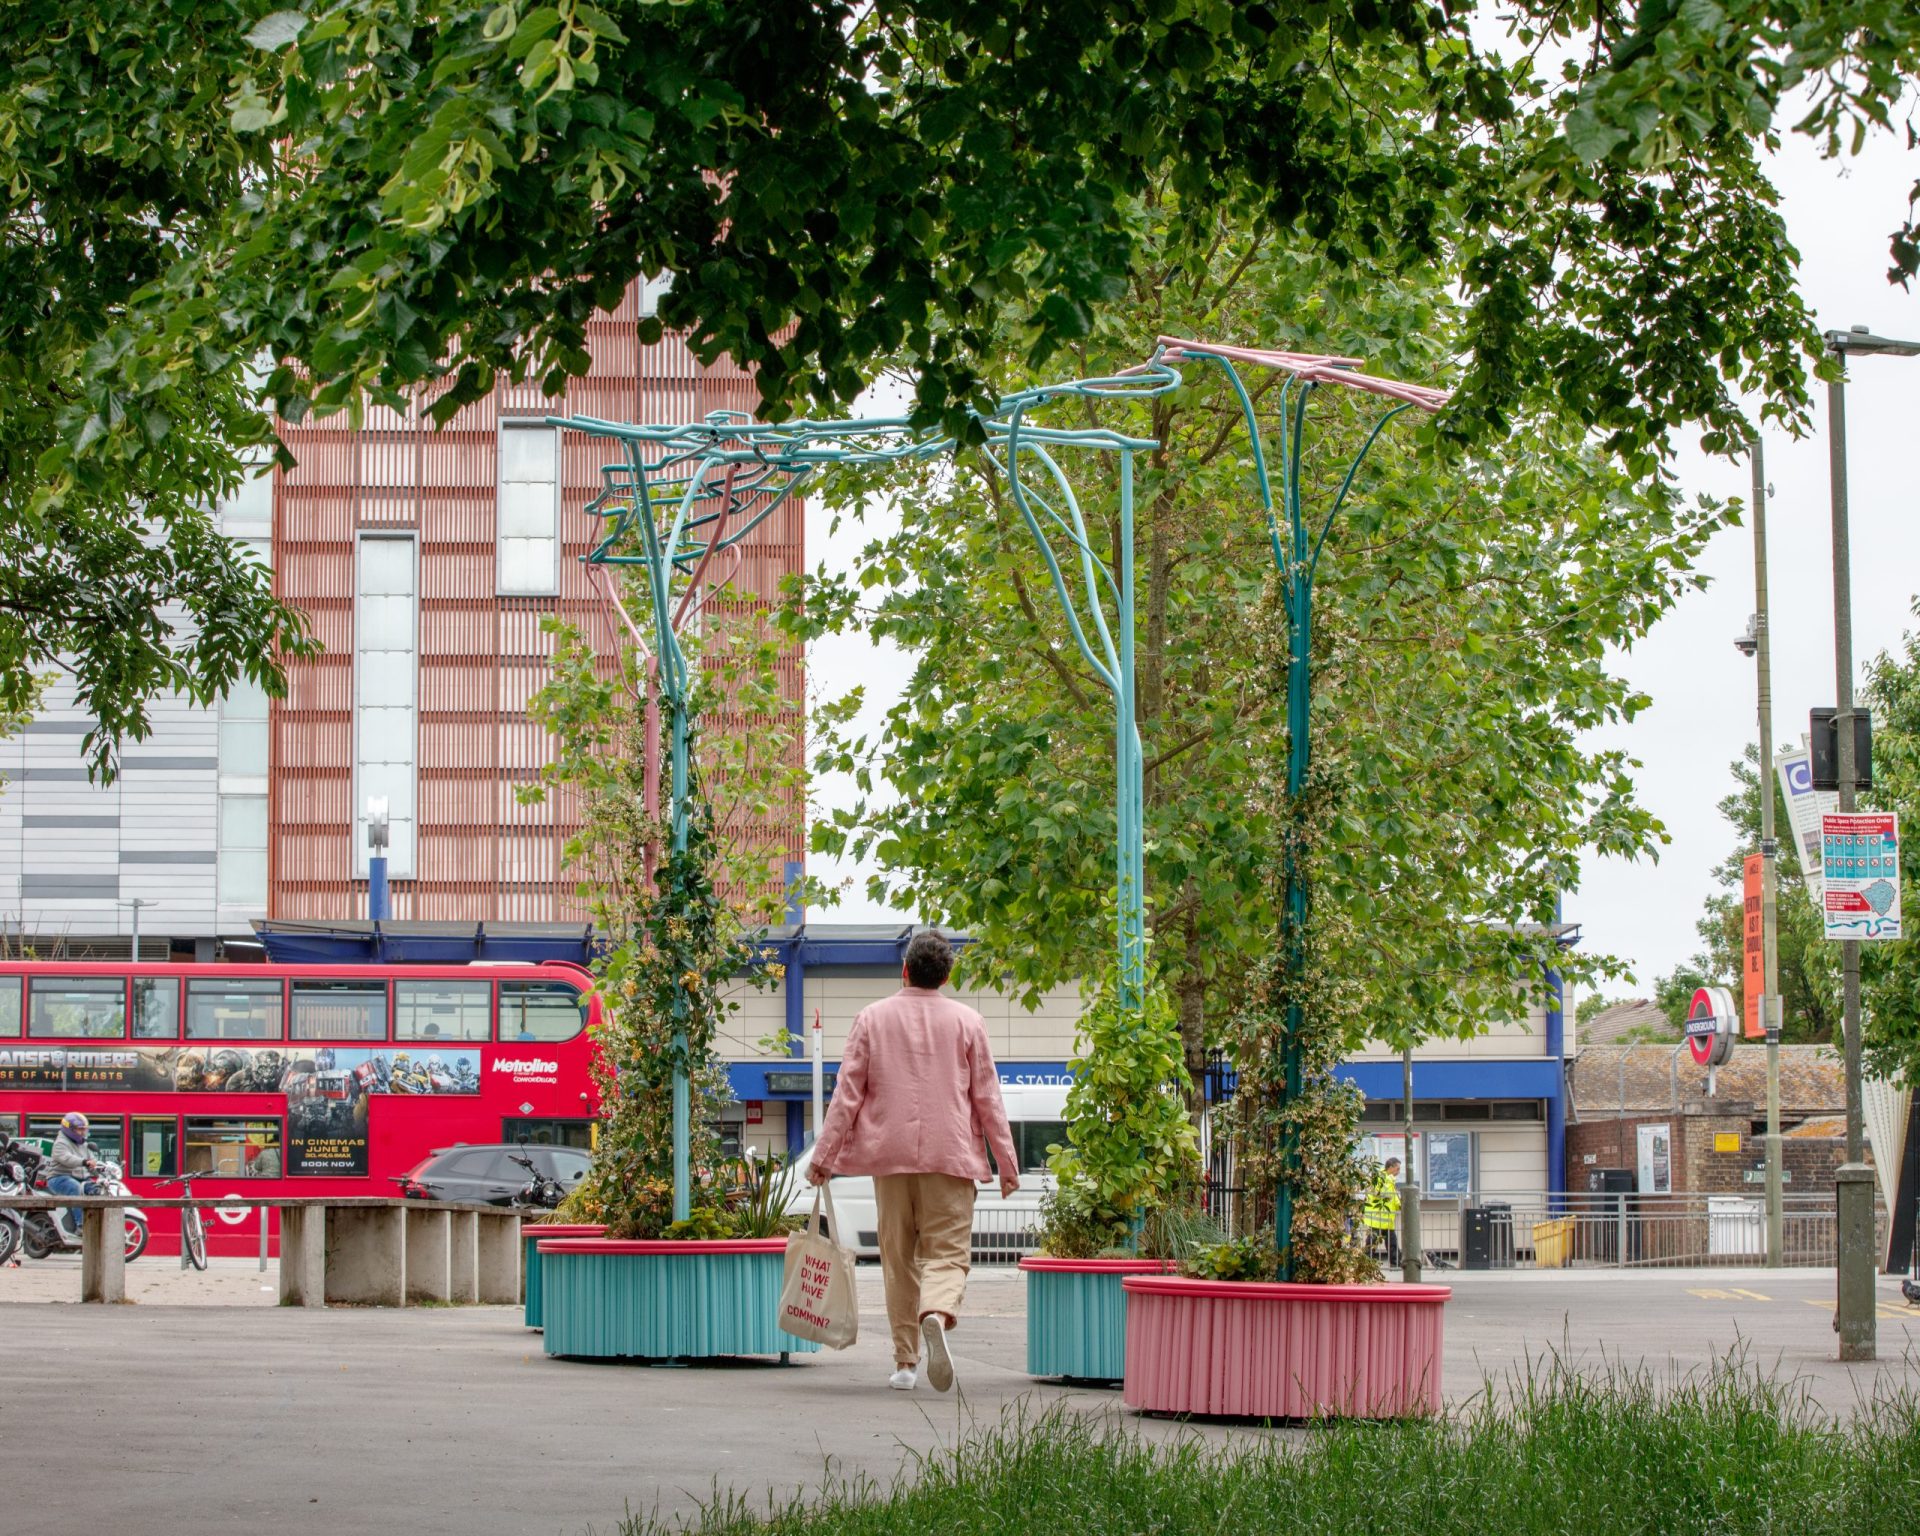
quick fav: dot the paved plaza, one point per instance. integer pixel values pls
(204, 1407)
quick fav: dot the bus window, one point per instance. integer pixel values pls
(155, 1148)
(156, 1008)
(235, 1149)
(540, 1010)
(441, 1010)
(233, 1010)
(549, 1133)
(107, 1132)
(9, 1007)
(339, 1010)
(77, 1008)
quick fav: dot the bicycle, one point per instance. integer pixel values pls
(193, 1228)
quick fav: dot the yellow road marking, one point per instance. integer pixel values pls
(1711, 1295)
(1751, 1295)
(1884, 1309)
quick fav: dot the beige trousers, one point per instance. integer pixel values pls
(926, 1248)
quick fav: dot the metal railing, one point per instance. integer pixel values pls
(1546, 1231)
(1624, 1231)
(1538, 1230)
(1005, 1235)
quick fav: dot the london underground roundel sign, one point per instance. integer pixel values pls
(1710, 1024)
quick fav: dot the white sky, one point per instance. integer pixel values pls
(1703, 713)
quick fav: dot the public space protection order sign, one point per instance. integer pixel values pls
(1860, 858)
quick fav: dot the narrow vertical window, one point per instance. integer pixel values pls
(243, 851)
(385, 691)
(527, 535)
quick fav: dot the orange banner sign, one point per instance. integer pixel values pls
(1753, 970)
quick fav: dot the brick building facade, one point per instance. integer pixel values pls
(426, 560)
(1715, 1139)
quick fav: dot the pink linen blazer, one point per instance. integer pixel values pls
(917, 1093)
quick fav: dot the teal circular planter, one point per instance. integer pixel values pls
(624, 1299)
(533, 1236)
(1077, 1316)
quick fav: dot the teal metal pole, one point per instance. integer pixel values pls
(1299, 596)
(682, 1089)
(1129, 784)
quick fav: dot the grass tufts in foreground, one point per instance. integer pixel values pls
(1729, 1453)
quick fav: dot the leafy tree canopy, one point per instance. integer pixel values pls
(1890, 973)
(1465, 605)
(832, 183)
(375, 194)
(118, 161)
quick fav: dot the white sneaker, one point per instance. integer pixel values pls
(939, 1359)
(904, 1379)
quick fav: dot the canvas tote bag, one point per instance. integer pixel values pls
(816, 1297)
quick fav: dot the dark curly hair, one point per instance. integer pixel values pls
(929, 960)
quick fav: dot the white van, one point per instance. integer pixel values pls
(1038, 1116)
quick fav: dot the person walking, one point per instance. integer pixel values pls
(1382, 1211)
(915, 1105)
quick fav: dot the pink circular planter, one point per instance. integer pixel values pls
(1241, 1349)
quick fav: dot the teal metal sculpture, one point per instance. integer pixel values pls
(1296, 559)
(682, 495)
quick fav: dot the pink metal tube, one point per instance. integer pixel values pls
(1320, 369)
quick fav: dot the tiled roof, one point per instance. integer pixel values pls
(1606, 1080)
(1831, 1127)
(1611, 1022)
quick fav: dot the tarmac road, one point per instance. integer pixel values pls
(196, 1410)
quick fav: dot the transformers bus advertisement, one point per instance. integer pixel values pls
(300, 1072)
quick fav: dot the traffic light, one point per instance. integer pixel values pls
(1824, 743)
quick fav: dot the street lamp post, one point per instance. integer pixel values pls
(1853, 1315)
(1758, 644)
(136, 903)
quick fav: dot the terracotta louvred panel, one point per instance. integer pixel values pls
(480, 853)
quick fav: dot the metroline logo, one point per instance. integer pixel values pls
(524, 1064)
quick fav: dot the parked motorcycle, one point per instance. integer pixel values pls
(13, 1181)
(540, 1192)
(44, 1232)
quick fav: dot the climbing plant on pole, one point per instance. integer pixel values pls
(1297, 544)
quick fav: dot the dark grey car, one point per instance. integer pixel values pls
(487, 1173)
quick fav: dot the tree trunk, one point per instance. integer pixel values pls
(1190, 997)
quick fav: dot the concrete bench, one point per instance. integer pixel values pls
(372, 1251)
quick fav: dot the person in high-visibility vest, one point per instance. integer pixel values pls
(1381, 1214)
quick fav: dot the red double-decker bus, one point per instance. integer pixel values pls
(296, 1080)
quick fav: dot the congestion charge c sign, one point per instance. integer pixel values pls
(1709, 1025)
